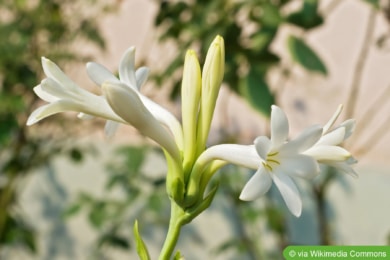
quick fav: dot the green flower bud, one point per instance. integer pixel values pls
(212, 75)
(190, 94)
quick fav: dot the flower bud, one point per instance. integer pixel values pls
(190, 94)
(212, 75)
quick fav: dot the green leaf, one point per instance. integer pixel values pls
(133, 155)
(98, 215)
(202, 206)
(72, 210)
(114, 240)
(234, 243)
(256, 91)
(261, 39)
(140, 245)
(271, 15)
(8, 126)
(178, 256)
(373, 3)
(302, 54)
(308, 17)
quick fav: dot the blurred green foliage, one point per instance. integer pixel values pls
(249, 28)
(130, 194)
(135, 191)
(29, 30)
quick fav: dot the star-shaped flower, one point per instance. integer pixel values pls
(280, 160)
(276, 160)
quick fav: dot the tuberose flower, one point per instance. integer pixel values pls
(134, 79)
(275, 159)
(127, 104)
(330, 140)
(65, 95)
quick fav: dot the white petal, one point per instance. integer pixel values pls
(99, 74)
(257, 186)
(51, 109)
(141, 75)
(164, 117)
(126, 68)
(328, 153)
(279, 127)
(349, 126)
(40, 92)
(289, 192)
(263, 145)
(334, 137)
(303, 142)
(110, 128)
(53, 71)
(300, 165)
(57, 90)
(127, 104)
(333, 119)
(243, 155)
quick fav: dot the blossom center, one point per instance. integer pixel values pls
(271, 161)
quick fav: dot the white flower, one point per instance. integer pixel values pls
(336, 156)
(128, 105)
(275, 160)
(65, 95)
(282, 159)
(134, 80)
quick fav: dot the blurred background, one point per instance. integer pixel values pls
(67, 192)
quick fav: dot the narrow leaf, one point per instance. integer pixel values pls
(72, 210)
(302, 54)
(178, 256)
(202, 206)
(140, 245)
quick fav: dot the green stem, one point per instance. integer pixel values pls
(175, 224)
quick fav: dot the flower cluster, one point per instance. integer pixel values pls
(190, 164)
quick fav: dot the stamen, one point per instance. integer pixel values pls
(266, 165)
(272, 154)
(273, 161)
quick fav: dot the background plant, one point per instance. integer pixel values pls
(29, 30)
(249, 29)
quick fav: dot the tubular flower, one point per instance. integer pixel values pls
(128, 105)
(65, 95)
(327, 150)
(275, 159)
(134, 79)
